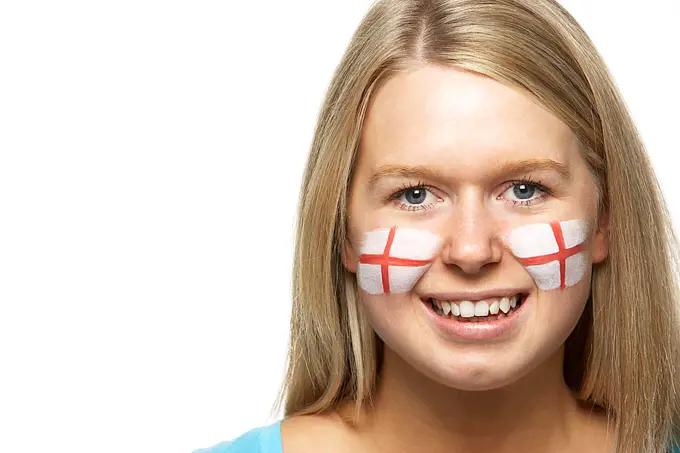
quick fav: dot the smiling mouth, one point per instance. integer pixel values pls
(491, 309)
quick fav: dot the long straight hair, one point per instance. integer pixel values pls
(624, 353)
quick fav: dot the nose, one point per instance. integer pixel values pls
(472, 240)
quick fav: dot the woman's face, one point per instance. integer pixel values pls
(471, 160)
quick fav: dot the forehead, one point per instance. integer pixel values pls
(450, 117)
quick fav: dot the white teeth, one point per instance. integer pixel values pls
(446, 307)
(481, 308)
(493, 309)
(505, 305)
(467, 309)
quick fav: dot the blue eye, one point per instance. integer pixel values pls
(416, 195)
(415, 198)
(524, 191)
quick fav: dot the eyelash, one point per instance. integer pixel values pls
(413, 208)
(527, 180)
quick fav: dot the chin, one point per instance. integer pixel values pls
(477, 373)
(465, 366)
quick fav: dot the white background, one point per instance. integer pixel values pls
(150, 159)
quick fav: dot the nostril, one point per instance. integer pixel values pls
(471, 250)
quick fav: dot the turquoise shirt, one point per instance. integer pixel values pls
(266, 439)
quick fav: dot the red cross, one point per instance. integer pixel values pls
(561, 255)
(385, 260)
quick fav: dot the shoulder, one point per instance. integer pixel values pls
(318, 432)
(265, 439)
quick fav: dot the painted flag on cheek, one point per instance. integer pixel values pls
(552, 253)
(393, 260)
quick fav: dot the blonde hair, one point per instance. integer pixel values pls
(624, 354)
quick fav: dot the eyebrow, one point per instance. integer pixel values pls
(530, 165)
(403, 171)
(429, 173)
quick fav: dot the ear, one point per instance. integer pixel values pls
(601, 241)
(349, 257)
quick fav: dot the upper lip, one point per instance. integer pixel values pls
(477, 295)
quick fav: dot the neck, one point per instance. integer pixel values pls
(411, 412)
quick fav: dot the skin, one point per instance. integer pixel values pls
(467, 135)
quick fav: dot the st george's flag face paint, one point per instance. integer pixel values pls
(552, 253)
(392, 260)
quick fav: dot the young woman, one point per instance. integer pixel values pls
(484, 261)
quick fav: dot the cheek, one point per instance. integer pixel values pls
(560, 274)
(389, 316)
(554, 254)
(392, 260)
(560, 311)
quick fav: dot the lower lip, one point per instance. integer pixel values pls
(482, 330)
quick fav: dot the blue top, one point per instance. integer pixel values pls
(266, 439)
